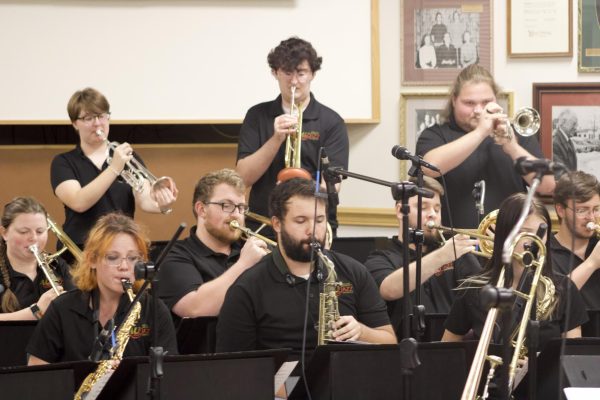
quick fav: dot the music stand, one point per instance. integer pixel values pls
(197, 335)
(592, 327)
(14, 336)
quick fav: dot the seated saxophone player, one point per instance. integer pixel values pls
(265, 307)
(574, 247)
(26, 291)
(82, 321)
(199, 269)
(262, 142)
(442, 268)
(468, 313)
(89, 179)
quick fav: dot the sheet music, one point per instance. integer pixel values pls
(577, 393)
(282, 375)
(99, 385)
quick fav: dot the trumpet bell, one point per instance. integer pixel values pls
(526, 121)
(289, 173)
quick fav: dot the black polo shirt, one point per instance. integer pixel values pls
(265, 307)
(321, 127)
(564, 261)
(189, 264)
(67, 331)
(467, 313)
(437, 294)
(27, 291)
(487, 162)
(74, 165)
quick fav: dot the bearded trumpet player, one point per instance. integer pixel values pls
(267, 126)
(88, 179)
(265, 307)
(557, 292)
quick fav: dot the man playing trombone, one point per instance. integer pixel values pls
(88, 179)
(574, 247)
(198, 270)
(294, 63)
(441, 267)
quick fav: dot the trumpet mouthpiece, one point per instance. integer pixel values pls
(234, 224)
(430, 225)
(591, 226)
(100, 133)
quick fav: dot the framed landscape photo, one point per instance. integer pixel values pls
(539, 28)
(421, 110)
(589, 36)
(441, 37)
(570, 124)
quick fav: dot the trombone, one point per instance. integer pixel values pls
(65, 240)
(234, 224)
(44, 260)
(135, 173)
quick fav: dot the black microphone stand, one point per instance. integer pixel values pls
(409, 358)
(418, 321)
(149, 272)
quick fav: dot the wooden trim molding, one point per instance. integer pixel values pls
(385, 217)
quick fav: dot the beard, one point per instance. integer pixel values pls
(224, 234)
(297, 250)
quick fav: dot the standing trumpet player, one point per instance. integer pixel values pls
(472, 144)
(88, 179)
(25, 291)
(294, 64)
(574, 247)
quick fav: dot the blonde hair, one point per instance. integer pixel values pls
(99, 239)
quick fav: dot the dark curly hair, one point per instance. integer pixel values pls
(291, 52)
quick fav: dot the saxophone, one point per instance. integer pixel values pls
(328, 301)
(94, 382)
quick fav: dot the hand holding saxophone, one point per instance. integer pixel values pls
(346, 328)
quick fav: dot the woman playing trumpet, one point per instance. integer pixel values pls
(88, 183)
(26, 292)
(69, 330)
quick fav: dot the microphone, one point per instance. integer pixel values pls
(290, 280)
(401, 153)
(543, 166)
(479, 195)
(330, 180)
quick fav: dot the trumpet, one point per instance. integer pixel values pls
(486, 243)
(44, 261)
(234, 224)
(526, 122)
(64, 239)
(592, 226)
(135, 173)
(293, 143)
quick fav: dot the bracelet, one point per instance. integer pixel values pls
(35, 310)
(167, 211)
(117, 173)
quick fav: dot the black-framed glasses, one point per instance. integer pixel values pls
(90, 118)
(230, 207)
(115, 260)
(584, 212)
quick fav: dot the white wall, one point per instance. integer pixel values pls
(370, 146)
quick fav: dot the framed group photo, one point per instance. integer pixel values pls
(589, 36)
(441, 37)
(570, 124)
(421, 110)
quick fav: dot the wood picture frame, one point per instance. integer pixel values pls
(588, 59)
(539, 28)
(432, 58)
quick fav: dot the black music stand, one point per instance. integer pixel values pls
(343, 371)
(197, 335)
(14, 336)
(592, 327)
(206, 376)
(52, 382)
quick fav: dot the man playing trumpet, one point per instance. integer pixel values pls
(89, 183)
(575, 247)
(198, 270)
(294, 63)
(441, 268)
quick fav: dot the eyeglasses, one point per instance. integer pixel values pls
(584, 212)
(114, 260)
(89, 119)
(230, 207)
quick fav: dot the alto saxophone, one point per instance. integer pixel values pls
(94, 382)
(328, 302)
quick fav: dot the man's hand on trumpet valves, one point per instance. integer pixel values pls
(122, 154)
(464, 244)
(284, 125)
(254, 249)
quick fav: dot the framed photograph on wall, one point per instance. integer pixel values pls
(589, 36)
(440, 37)
(539, 28)
(420, 110)
(570, 123)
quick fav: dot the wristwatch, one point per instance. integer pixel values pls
(35, 310)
